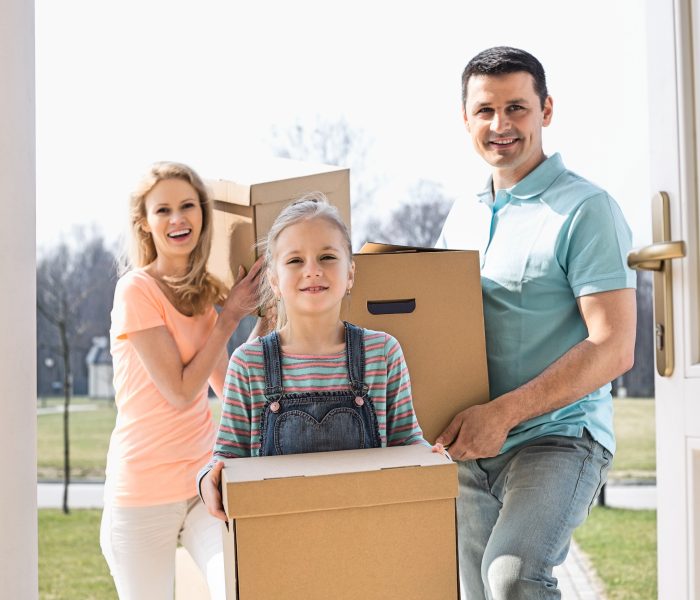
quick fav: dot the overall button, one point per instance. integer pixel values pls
(359, 400)
(275, 406)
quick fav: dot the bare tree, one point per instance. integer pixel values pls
(332, 142)
(417, 221)
(74, 281)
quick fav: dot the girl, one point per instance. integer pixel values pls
(167, 342)
(316, 383)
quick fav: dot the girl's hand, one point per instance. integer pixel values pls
(210, 487)
(243, 297)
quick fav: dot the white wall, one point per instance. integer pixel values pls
(18, 526)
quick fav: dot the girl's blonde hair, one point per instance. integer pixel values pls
(197, 289)
(313, 205)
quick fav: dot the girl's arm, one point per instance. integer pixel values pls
(181, 383)
(234, 435)
(402, 428)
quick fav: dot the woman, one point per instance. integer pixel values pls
(167, 343)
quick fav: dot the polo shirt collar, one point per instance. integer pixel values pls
(532, 185)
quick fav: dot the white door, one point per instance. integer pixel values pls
(674, 75)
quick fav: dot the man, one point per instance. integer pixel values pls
(560, 317)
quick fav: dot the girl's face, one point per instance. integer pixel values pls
(173, 218)
(311, 270)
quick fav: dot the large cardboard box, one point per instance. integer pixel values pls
(248, 200)
(430, 301)
(377, 524)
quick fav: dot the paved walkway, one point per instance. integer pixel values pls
(577, 579)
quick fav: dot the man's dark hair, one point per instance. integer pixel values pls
(502, 60)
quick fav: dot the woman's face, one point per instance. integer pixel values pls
(173, 218)
(311, 270)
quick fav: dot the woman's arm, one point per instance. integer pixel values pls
(181, 383)
(218, 375)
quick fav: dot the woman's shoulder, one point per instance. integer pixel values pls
(135, 278)
(134, 285)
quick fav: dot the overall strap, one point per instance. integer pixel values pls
(355, 354)
(272, 361)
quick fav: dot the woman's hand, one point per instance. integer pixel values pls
(210, 488)
(242, 300)
(265, 323)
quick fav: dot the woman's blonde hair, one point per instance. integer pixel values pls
(313, 205)
(196, 289)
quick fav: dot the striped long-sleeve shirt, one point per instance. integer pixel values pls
(386, 375)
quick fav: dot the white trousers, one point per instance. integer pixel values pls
(139, 544)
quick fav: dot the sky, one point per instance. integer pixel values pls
(123, 84)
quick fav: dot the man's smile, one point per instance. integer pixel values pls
(506, 142)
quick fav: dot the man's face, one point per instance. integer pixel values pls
(504, 116)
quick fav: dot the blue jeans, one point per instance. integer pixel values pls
(517, 511)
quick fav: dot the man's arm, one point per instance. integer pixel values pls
(608, 351)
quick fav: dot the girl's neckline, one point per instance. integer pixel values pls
(162, 292)
(335, 355)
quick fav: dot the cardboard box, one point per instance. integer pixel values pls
(430, 301)
(377, 524)
(247, 202)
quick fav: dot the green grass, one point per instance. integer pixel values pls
(634, 425)
(71, 564)
(622, 547)
(635, 457)
(620, 543)
(89, 436)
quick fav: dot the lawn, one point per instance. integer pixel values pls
(621, 544)
(635, 457)
(71, 565)
(634, 425)
(89, 435)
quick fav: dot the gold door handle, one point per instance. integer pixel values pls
(657, 258)
(650, 258)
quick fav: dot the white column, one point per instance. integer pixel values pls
(18, 524)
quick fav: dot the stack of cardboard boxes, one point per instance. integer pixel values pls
(369, 523)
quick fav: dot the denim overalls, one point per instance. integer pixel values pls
(297, 423)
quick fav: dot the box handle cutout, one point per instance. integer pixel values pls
(391, 307)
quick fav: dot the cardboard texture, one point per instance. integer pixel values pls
(430, 301)
(373, 524)
(247, 202)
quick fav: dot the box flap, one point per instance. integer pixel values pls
(379, 248)
(296, 483)
(280, 179)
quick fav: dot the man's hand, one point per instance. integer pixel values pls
(210, 486)
(476, 432)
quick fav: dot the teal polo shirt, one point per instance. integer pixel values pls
(548, 240)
